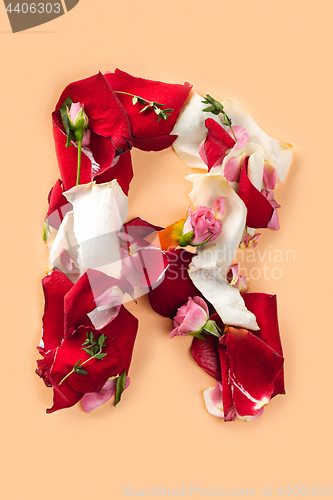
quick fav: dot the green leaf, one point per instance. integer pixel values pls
(46, 230)
(65, 120)
(100, 355)
(91, 336)
(121, 382)
(81, 371)
(209, 109)
(101, 340)
(144, 109)
(142, 101)
(91, 352)
(134, 100)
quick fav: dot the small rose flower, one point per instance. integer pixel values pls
(203, 225)
(191, 317)
(77, 117)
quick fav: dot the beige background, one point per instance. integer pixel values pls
(275, 58)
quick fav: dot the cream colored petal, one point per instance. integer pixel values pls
(191, 131)
(66, 243)
(210, 406)
(99, 213)
(277, 153)
(225, 298)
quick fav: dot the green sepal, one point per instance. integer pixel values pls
(121, 383)
(65, 119)
(186, 239)
(211, 328)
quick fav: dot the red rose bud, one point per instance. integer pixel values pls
(201, 226)
(77, 117)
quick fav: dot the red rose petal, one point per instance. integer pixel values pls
(63, 397)
(80, 300)
(103, 152)
(145, 125)
(120, 333)
(107, 117)
(259, 210)
(264, 307)
(176, 287)
(99, 370)
(253, 368)
(205, 353)
(55, 287)
(122, 171)
(44, 365)
(154, 143)
(227, 400)
(217, 143)
(58, 205)
(139, 228)
(123, 330)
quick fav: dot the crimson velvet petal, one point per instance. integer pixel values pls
(259, 209)
(109, 126)
(58, 206)
(264, 307)
(139, 228)
(121, 170)
(253, 367)
(148, 133)
(83, 296)
(217, 143)
(55, 286)
(205, 353)
(176, 287)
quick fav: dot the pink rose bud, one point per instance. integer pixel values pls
(191, 317)
(77, 117)
(204, 226)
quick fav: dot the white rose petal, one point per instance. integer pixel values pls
(277, 153)
(191, 131)
(99, 213)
